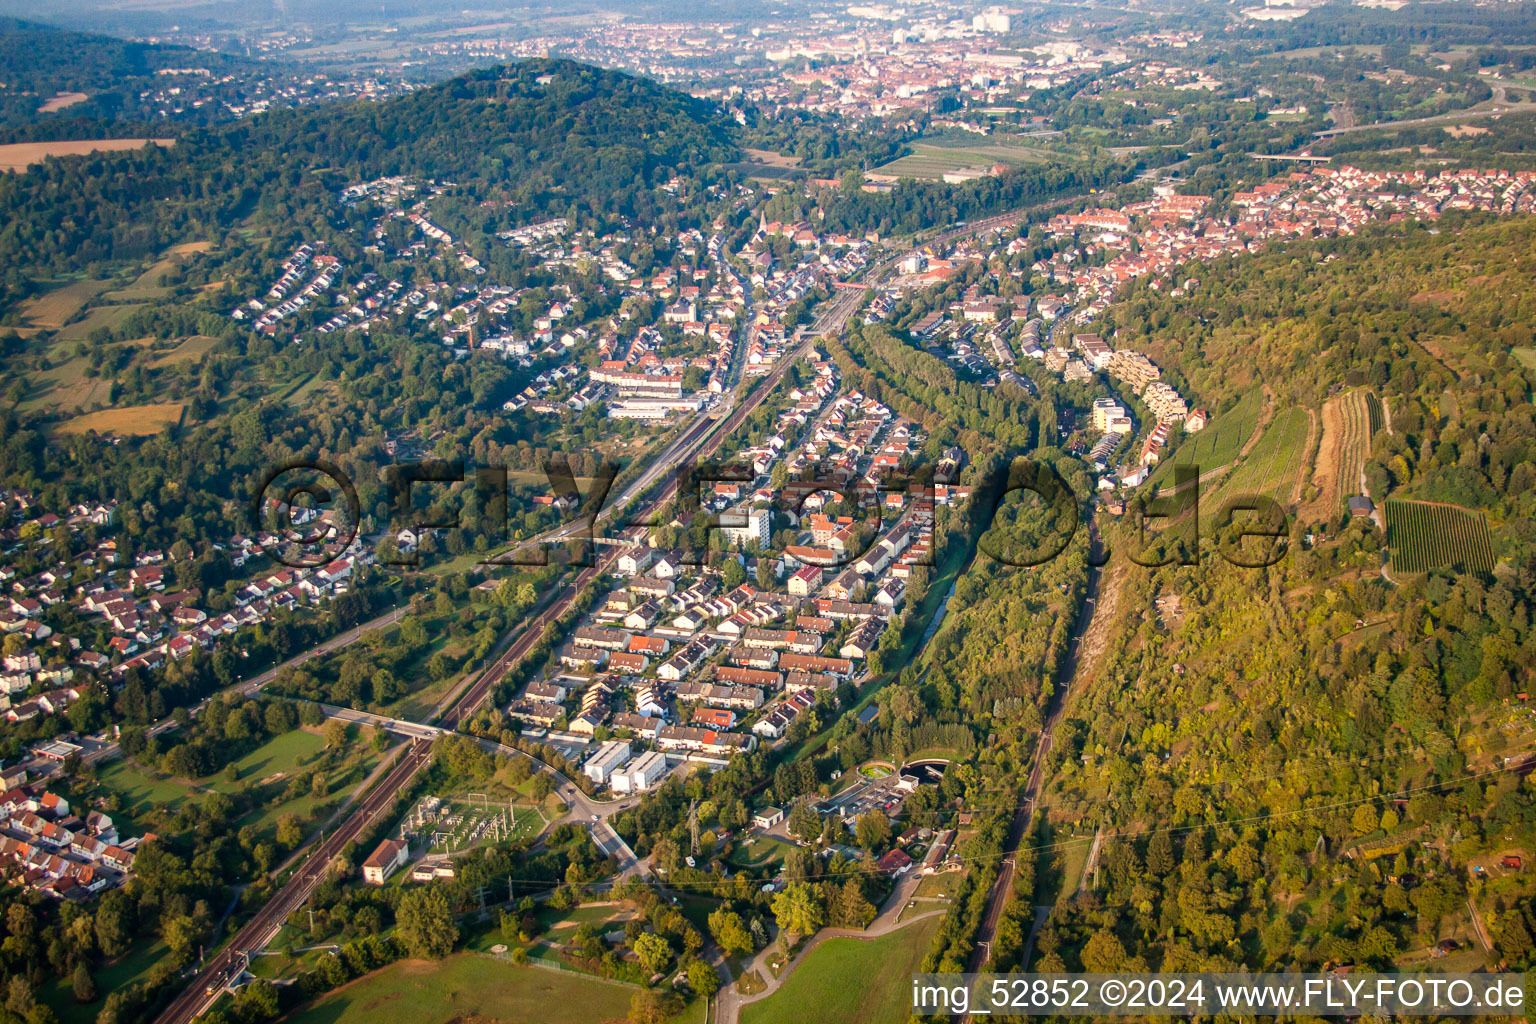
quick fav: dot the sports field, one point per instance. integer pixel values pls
(467, 986)
(882, 995)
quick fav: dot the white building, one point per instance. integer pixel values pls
(646, 771)
(743, 528)
(606, 761)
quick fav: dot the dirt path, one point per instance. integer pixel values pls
(1477, 927)
(1092, 861)
(729, 1003)
(1309, 457)
(1084, 652)
(1325, 468)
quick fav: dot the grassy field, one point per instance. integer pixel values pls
(267, 769)
(931, 161)
(1526, 357)
(147, 285)
(189, 351)
(139, 788)
(467, 986)
(19, 156)
(1219, 443)
(110, 317)
(53, 309)
(65, 387)
(881, 995)
(57, 994)
(1425, 536)
(139, 420)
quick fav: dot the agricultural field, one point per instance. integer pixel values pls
(884, 967)
(61, 100)
(54, 309)
(135, 420)
(18, 156)
(1219, 443)
(1350, 422)
(1272, 467)
(933, 159)
(466, 987)
(1423, 536)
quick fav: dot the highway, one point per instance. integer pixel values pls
(1500, 104)
(261, 928)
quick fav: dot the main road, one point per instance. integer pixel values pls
(698, 439)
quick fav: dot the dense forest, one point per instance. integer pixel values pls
(1318, 762)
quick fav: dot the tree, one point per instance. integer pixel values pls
(654, 1006)
(730, 932)
(733, 573)
(853, 909)
(83, 986)
(257, 1001)
(799, 909)
(18, 995)
(289, 832)
(335, 734)
(1159, 855)
(426, 923)
(653, 951)
(803, 822)
(703, 978)
(873, 830)
(1103, 953)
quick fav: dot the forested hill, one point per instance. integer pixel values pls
(543, 138)
(534, 127)
(110, 75)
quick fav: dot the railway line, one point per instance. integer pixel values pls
(699, 439)
(214, 974)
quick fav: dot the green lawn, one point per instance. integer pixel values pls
(851, 981)
(139, 789)
(277, 760)
(113, 977)
(286, 754)
(465, 986)
(1218, 444)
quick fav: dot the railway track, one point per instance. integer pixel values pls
(700, 439)
(210, 979)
